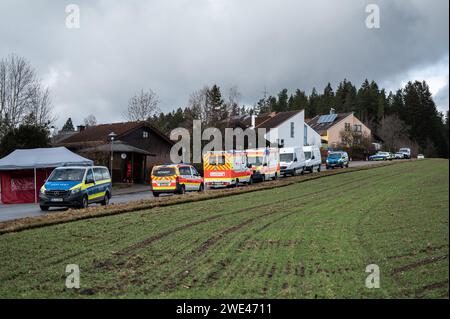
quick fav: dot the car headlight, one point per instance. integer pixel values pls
(75, 191)
(42, 191)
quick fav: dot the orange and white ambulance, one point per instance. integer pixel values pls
(264, 163)
(226, 169)
(176, 179)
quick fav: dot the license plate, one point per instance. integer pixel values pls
(56, 199)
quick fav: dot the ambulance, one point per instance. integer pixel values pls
(226, 169)
(264, 163)
(175, 179)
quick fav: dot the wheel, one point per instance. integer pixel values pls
(105, 200)
(155, 194)
(328, 167)
(182, 190)
(84, 202)
(250, 181)
(44, 208)
(201, 188)
(237, 183)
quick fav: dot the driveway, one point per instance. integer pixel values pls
(15, 211)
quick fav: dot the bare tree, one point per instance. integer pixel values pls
(142, 106)
(394, 133)
(233, 100)
(40, 106)
(198, 103)
(22, 95)
(90, 120)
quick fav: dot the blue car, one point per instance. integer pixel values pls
(76, 186)
(337, 159)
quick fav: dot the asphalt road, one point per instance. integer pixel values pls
(16, 211)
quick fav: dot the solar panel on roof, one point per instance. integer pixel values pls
(327, 118)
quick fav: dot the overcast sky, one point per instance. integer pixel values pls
(177, 46)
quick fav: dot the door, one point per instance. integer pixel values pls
(186, 176)
(196, 178)
(91, 186)
(99, 188)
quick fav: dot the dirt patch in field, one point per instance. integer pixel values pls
(419, 263)
(437, 285)
(428, 249)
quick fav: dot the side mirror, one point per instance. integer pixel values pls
(313, 157)
(295, 159)
(89, 181)
(265, 164)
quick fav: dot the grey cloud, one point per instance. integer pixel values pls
(175, 47)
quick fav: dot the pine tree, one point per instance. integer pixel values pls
(218, 109)
(68, 126)
(282, 104)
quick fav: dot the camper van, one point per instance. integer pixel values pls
(226, 169)
(313, 159)
(292, 161)
(264, 163)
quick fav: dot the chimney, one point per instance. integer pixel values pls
(332, 111)
(81, 128)
(253, 118)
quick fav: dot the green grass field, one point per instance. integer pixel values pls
(308, 240)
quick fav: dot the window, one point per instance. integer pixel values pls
(105, 173)
(357, 128)
(292, 130)
(216, 160)
(98, 174)
(305, 135)
(347, 127)
(163, 171)
(67, 174)
(89, 175)
(185, 171)
(194, 172)
(281, 143)
(145, 134)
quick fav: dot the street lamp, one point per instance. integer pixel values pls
(111, 136)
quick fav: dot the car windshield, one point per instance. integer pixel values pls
(256, 160)
(163, 171)
(307, 155)
(335, 155)
(404, 150)
(286, 157)
(67, 174)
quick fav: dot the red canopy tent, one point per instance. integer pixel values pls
(23, 172)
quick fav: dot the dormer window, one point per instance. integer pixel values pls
(145, 134)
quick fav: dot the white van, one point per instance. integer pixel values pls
(313, 159)
(292, 161)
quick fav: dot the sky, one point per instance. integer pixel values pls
(175, 47)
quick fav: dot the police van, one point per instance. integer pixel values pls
(76, 186)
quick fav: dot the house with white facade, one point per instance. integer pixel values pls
(285, 129)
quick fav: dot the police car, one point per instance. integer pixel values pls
(76, 186)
